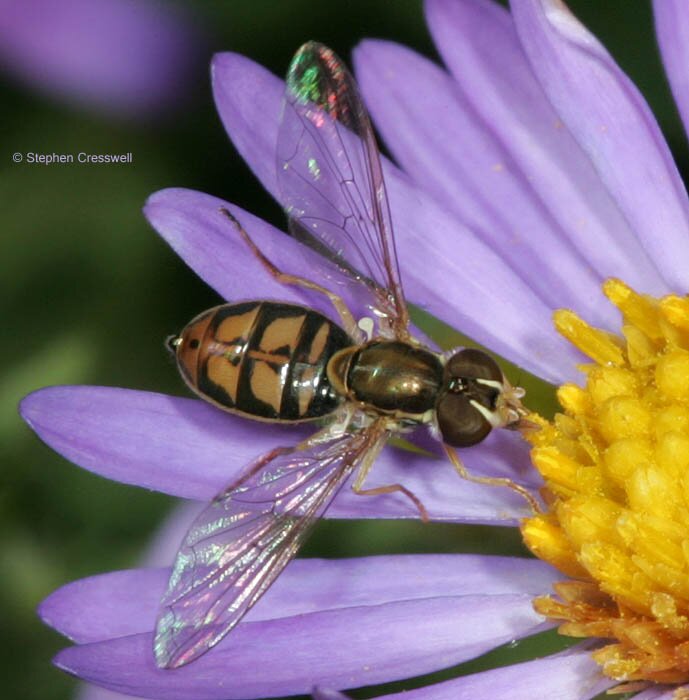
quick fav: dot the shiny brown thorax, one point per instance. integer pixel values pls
(388, 376)
(264, 359)
(463, 396)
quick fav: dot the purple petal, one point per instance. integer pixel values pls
(122, 603)
(573, 676)
(660, 692)
(191, 222)
(613, 125)
(335, 648)
(478, 292)
(187, 448)
(421, 110)
(128, 57)
(478, 42)
(179, 446)
(672, 30)
(446, 496)
(94, 692)
(249, 101)
(160, 551)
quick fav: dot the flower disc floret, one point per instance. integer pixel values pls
(616, 469)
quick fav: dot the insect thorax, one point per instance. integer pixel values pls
(388, 377)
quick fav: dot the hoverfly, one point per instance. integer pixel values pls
(284, 362)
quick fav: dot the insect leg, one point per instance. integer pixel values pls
(390, 488)
(491, 481)
(393, 488)
(345, 314)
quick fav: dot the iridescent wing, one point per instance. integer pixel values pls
(331, 179)
(239, 544)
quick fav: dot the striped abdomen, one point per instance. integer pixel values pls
(264, 359)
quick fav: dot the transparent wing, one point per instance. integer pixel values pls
(331, 178)
(240, 543)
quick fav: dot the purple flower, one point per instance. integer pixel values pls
(159, 552)
(128, 58)
(558, 177)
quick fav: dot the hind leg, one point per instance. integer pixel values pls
(348, 322)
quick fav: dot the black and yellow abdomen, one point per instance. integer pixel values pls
(264, 359)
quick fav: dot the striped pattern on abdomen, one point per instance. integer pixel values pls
(264, 359)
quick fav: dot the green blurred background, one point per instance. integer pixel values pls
(89, 292)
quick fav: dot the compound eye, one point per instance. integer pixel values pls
(473, 364)
(460, 423)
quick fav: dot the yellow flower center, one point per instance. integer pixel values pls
(616, 470)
